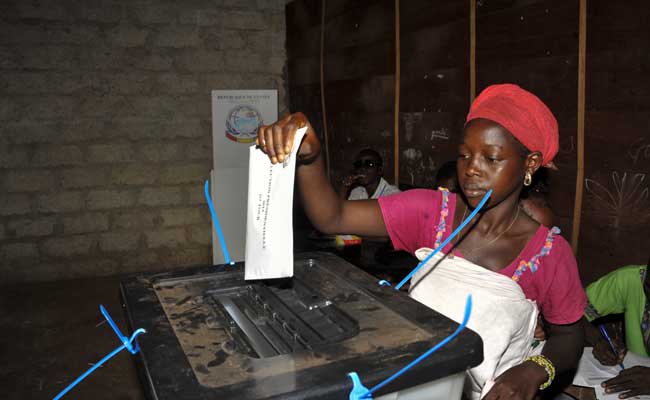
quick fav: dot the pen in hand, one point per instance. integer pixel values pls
(603, 331)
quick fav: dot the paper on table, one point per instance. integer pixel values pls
(269, 222)
(592, 373)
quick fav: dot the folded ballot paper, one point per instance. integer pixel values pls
(269, 223)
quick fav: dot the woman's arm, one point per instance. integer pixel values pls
(564, 346)
(328, 212)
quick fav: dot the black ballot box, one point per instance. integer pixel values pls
(213, 335)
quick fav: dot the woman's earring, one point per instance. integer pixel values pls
(528, 179)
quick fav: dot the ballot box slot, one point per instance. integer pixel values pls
(267, 320)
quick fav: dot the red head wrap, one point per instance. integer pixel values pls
(522, 113)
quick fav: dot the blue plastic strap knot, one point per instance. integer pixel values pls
(127, 343)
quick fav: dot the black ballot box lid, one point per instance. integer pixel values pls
(213, 335)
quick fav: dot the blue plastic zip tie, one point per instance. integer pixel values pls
(360, 392)
(443, 244)
(127, 343)
(217, 227)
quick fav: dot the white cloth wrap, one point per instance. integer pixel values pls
(501, 314)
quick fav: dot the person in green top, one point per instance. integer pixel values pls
(625, 290)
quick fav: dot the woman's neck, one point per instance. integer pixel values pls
(495, 219)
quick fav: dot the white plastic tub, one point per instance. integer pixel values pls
(447, 388)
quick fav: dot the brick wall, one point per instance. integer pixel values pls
(105, 127)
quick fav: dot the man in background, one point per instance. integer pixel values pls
(366, 180)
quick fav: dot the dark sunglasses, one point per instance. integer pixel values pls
(365, 163)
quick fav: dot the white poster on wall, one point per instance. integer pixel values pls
(236, 115)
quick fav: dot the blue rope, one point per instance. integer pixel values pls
(443, 244)
(127, 343)
(217, 227)
(357, 385)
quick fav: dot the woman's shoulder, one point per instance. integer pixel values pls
(553, 243)
(548, 247)
(633, 269)
(632, 272)
(553, 277)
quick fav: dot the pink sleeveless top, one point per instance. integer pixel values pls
(545, 269)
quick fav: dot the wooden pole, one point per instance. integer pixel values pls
(397, 91)
(472, 50)
(322, 86)
(582, 52)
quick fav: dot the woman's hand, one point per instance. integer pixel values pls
(326, 211)
(630, 382)
(520, 382)
(276, 139)
(603, 352)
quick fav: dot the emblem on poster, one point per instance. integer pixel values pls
(236, 117)
(242, 123)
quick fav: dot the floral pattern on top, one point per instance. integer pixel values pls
(533, 263)
(444, 212)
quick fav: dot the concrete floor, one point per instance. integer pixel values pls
(50, 333)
